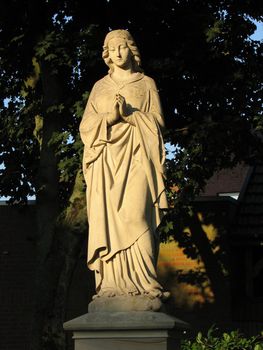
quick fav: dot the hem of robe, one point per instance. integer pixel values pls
(137, 286)
(93, 264)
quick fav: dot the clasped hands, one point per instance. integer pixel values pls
(119, 112)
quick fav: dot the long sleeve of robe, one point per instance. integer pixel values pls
(123, 169)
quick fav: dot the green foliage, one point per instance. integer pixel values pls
(206, 68)
(227, 341)
(49, 86)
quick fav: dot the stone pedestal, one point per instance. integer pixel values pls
(134, 330)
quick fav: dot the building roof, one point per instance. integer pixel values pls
(226, 181)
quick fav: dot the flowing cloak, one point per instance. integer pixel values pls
(123, 167)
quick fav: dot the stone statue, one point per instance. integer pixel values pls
(123, 168)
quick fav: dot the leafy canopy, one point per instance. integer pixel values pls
(199, 52)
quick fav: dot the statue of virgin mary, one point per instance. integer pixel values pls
(123, 168)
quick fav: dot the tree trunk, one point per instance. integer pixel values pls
(47, 207)
(71, 231)
(60, 235)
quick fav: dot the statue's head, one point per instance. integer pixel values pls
(126, 36)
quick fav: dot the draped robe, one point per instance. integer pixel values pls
(123, 170)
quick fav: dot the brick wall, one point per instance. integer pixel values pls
(17, 272)
(17, 261)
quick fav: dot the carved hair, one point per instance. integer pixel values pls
(124, 34)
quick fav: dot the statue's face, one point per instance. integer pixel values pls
(119, 52)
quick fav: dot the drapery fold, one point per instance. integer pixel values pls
(123, 169)
(131, 271)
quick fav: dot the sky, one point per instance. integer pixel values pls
(258, 35)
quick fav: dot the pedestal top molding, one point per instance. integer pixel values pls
(123, 320)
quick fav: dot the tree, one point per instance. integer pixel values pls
(207, 71)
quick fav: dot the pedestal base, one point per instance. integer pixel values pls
(133, 330)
